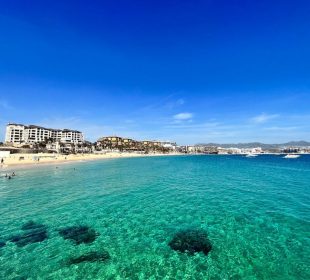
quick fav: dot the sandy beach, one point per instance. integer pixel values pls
(33, 160)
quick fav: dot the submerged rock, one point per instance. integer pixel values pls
(33, 233)
(20, 278)
(91, 257)
(31, 225)
(79, 234)
(191, 241)
(2, 243)
(29, 236)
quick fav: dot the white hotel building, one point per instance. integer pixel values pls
(23, 134)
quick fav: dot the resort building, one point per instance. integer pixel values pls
(169, 145)
(31, 134)
(36, 134)
(15, 133)
(71, 136)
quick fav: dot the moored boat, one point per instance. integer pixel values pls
(291, 156)
(251, 155)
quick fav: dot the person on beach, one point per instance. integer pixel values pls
(9, 177)
(2, 160)
(13, 174)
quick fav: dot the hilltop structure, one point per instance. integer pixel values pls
(127, 144)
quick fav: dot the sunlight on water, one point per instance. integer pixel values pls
(116, 219)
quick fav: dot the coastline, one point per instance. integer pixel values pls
(14, 161)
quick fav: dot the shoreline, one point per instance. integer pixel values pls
(29, 161)
(13, 161)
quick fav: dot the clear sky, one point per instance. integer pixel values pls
(189, 71)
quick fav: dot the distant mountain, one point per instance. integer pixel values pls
(258, 144)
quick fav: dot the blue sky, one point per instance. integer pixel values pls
(189, 71)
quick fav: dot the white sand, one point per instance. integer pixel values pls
(23, 160)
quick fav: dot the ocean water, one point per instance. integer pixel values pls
(256, 212)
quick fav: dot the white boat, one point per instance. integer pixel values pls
(291, 156)
(251, 155)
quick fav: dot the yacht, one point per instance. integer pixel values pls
(251, 155)
(291, 156)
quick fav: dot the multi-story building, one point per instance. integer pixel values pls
(22, 134)
(169, 145)
(71, 136)
(36, 134)
(56, 135)
(15, 133)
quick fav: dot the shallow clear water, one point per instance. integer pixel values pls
(256, 212)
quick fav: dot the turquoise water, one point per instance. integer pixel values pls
(256, 212)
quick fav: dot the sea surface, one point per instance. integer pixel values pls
(256, 212)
